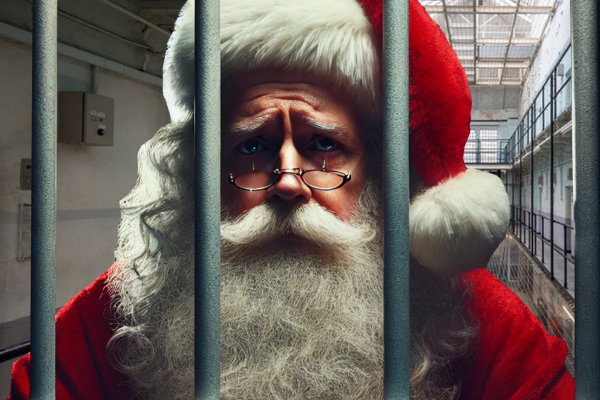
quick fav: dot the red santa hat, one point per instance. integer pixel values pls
(461, 217)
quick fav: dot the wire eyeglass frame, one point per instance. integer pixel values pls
(346, 177)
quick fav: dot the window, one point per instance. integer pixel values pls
(489, 145)
(471, 148)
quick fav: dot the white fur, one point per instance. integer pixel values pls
(457, 225)
(332, 39)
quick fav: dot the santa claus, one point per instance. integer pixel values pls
(301, 272)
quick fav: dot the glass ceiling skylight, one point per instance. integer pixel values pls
(495, 40)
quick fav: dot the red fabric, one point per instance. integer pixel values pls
(440, 99)
(517, 359)
(82, 333)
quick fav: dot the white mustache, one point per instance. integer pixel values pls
(272, 221)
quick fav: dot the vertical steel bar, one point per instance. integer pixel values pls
(543, 95)
(396, 198)
(207, 127)
(531, 138)
(534, 236)
(542, 241)
(514, 213)
(43, 199)
(565, 252)
(586, 133)
(520, 180)
(552, 111)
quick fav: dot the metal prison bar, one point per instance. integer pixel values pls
(207, 126)
(43, 199)
(585, 35)
(396, 301)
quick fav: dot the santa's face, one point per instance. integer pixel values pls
(278, 122)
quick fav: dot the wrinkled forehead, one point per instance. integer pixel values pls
(245, 88)
(241, 86)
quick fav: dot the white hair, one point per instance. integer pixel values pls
(293, 324)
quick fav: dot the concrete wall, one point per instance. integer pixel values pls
(90, 182)
(558, 35)
(495, 107)
(494, 103)
(506, 130)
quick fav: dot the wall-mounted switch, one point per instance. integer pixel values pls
(85, 118)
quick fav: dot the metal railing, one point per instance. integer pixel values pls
(550, 105)
(486, 151)
(15, 351)
(550, 110)
(530, 226)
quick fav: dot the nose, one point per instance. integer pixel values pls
(289, 187)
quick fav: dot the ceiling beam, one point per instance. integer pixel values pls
(469, 40)
(475, 41)
(512, 33)
(453, 9)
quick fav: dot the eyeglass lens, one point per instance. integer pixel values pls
(322, 179)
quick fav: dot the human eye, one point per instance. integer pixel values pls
(324, 144)
(252, 146)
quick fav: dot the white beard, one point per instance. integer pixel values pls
(301, 311)
(300, 318)
(302, 321)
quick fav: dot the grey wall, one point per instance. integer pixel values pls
(90, 183)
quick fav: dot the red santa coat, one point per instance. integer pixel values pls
(516, 360)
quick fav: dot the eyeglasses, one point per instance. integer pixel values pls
(320, 179)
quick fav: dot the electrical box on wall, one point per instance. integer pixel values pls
(85, 118)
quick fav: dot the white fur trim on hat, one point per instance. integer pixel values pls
(331, 39)
(457, 225)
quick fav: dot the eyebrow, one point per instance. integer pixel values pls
(335, 129)
(322, 125)
(243, 128)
